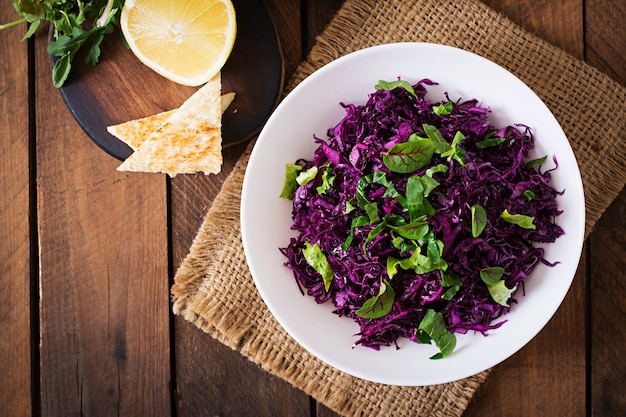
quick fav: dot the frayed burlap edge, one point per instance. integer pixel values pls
(577, 94)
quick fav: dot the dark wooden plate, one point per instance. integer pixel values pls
(121, 88)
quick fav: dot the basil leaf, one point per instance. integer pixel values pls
(479, 219)
(316, 258)
(519, 219)
(439, 143)
(500, 293)
(491, 275)
(379, 305)
(290, 185)
(408, 157)
(434, 325)
(390, 85)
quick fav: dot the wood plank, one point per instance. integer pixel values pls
(212, 379)
(608, 331)
(606, 37)
(318, 15)
(104, 272)
(15, 270)
(544, 378)
(605, 46)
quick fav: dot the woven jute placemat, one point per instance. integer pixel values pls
(213, 287)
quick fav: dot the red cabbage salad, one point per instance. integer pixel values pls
(419, 219)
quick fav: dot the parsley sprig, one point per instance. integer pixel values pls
(78, 26)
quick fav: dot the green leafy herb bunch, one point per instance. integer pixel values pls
(78, 26)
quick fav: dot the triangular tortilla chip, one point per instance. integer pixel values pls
(188, 141)
(135, 132)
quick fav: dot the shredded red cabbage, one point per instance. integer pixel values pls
(490, 169)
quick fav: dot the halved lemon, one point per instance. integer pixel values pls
(186, 41)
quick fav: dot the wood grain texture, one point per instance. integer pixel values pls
(608, 329)
(109, 244)
(607, 259)
(606, 37)
(104, 276)
(15, 269)
(204, 387)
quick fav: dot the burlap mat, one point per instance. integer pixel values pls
(213, 288)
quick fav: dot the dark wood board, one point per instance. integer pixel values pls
(121, 88)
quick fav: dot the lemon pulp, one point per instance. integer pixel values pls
(186, 41)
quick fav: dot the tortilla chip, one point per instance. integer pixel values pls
(188, 141)
(135, 132)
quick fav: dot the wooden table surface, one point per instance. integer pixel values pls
(88, 254)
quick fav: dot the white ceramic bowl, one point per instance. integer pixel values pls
(311, 108)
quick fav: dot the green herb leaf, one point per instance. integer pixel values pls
(380, 177)
(500, 293)
(61, 69)
(443, 109)
(390, 85)
(78, 26)
(419, 262)
(489, 142)
(416, 202)
(356, 222)
(327, 180)
(440, 145)
(408, 157)
(407, 263)
(413, 231)
(290, 185)
(518, 219)
(350, 207)
(528, 194)
(379, 305)
(307, 176)
(456, 152)
(536, 162)
(479, 219)
(316, 258)
(452, 282)
(491, 275)
(372, 212)
(434, 326)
